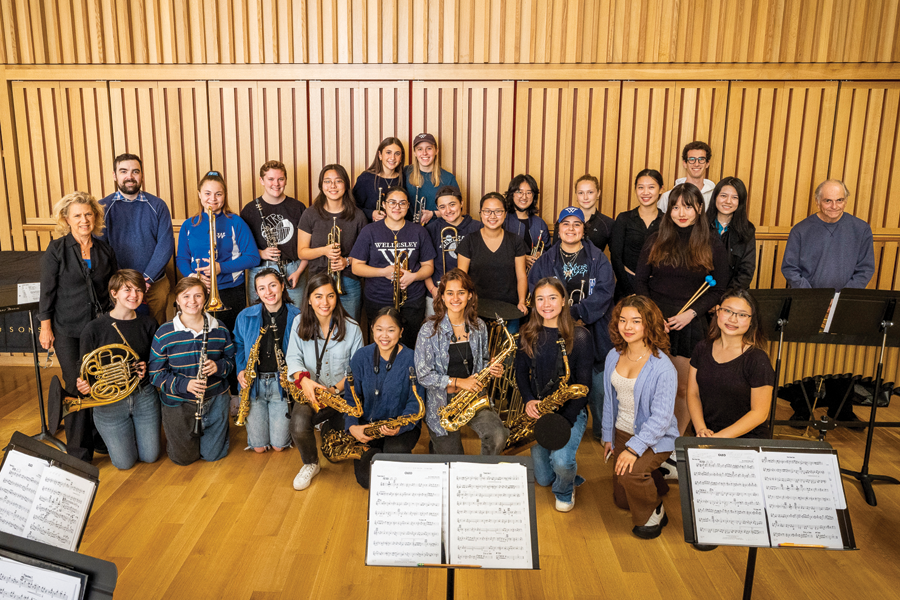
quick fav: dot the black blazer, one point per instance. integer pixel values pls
(741, 257)
(66, 299)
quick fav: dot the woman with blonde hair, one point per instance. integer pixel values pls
(424, 177)
(75, 272)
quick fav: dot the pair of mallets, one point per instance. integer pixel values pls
(707, 283)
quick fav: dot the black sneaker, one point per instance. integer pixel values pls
(658, 519)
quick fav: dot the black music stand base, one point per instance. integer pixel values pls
(44, 435)
(751, 571)
(451, 584)
(866, 480)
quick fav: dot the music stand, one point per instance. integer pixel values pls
(791, 315)
(870, 312)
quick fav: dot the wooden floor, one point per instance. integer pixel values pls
(237, 529)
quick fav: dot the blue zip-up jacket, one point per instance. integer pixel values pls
(246, 331)
(395, 396)
(594, 309)
(235, 247)
(655, 425)
(536, 227)
(140, 231)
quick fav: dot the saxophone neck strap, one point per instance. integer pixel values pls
(321, 356)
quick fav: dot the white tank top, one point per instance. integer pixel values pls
(625, 393)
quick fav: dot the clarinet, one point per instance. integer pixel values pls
(197, 431)
(271, 242)
(293, 392)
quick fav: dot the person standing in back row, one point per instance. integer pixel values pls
(279, 215)
(695, 158)
(424, 177)
(139, 229)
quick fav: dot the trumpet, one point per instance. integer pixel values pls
(378, 202)
(537, 249)
(580, 293)
(454, 240)
(334, 240)
(401, 263)
(417, 209)
(214, 303)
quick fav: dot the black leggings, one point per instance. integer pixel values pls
(303, 420)
(80, 430)
(395, 444)
(235, 300)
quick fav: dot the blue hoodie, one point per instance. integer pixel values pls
(235, 247)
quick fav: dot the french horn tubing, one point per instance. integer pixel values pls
(113, 370)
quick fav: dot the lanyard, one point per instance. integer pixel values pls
(321, 357)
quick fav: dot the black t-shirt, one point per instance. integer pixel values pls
(461, 360)
(318, 228)
(138, 331)
(267, 361)
(494, 273)
(725, 388)
(528, 242)
(282, 219)
(575, 272)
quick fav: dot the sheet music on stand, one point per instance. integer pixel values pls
(45, 495)
(450, 511)
(763, 493)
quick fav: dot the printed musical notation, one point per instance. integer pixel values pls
(43, 502)
(19, 581)
(406, 506)
(762, 497)
(728, 501)
(489, 516)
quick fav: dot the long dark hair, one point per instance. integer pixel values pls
(754, 334)
(285, 298)
(377, 167)
(308, 329)
(471, 311)
(740, 224)
(668, 249)
(528, 335)
(347, 201)
(514, 187)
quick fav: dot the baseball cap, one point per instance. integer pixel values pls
(571, 211)
(424, 137)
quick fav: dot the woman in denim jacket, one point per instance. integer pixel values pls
(452, 348)
(639, 425)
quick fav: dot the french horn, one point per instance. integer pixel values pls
(113, 371)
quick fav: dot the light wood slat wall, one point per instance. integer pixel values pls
(487, 137)
(234, 114)
(285, 135)
(448, 31)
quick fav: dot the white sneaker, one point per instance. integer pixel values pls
(670, 471)
(657, 516)
(307, 472)
(566, 506)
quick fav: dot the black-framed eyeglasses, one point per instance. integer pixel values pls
(397, 203)
(701, 160)
(741, 316)
(492, 213)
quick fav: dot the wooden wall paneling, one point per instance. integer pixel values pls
(235, 137)
(87, 140)
(700, 111)
(6, 195)
(592, 112)
(285, 136)
(487, 139)
(384, 112)
(46, 174)
(645, 117)
(333, 115)
(437, 108)
(866, 136)
(543, 143)
(778, 143)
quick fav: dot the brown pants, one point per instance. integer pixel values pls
(157, 298)
(642, 488)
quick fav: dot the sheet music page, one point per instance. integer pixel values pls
(729, 506)
(800, 493)
(489, 518)
(19, 482)
(60, 510)
(405, 512)
(19, 581)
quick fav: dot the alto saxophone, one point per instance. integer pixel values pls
(341, 445)
(521, 429)
(462, 408)
(326, 397)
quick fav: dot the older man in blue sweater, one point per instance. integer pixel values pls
(829, 249)
(139, 228)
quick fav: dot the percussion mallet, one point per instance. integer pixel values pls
(707, 283)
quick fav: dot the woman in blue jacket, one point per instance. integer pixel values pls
(589, 281)
(522, 212)
(268, 421)
(639, 425)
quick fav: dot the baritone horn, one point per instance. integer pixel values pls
(454, 240)
(113, 369)
(215, 302)
(334, 240)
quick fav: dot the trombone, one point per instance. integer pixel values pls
(454, 241)
(215, 302)
(334, 240)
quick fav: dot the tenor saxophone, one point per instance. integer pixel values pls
(340, 445)
(521, 429)
(462, 408)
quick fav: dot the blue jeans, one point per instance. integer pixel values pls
(267, 423)
(130, 428)
(296, 293)
(595, 402)
(351, 300)
(178, 421)
(558, 466)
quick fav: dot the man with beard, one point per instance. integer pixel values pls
(139, 229)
